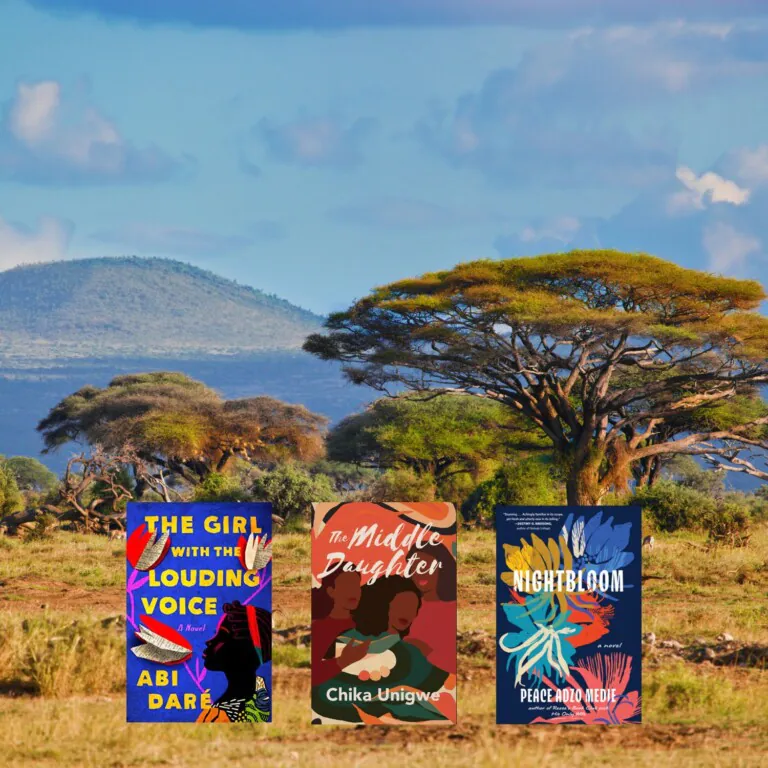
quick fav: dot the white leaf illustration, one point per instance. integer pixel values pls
(152, 551)
(257, 552)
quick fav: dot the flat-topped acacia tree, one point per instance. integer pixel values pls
(179, 425)
(601, 350)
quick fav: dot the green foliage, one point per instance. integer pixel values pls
(729, 523)
(688, 472)
(219, 487)
(139, 307)
(671, 506)
(612, 355)
(401, 485)
(452, 439)
(532, 481)
(758, 504)
(11, 499)
(44, 526)
(170, 420)
(31, 474)
(457, 488)
(347, 478)
(291, 489)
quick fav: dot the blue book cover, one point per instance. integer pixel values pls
(568, 621)
(199, 612)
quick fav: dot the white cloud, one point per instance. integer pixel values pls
(48, 139)
(33, 113)
(710, 187)
(728, 248)
(568, 110)
(19, 245)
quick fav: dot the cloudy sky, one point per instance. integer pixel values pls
(315, 150)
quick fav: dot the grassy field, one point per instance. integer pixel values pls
(62, 680)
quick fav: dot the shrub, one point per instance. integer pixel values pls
(686, 471)
(532, 481)
(401, 485)
(729, 523)
(347, 478)
(218, 487)
(291, 489)
(11, 499)
(456, 488)
(44, 526)
(670, 506)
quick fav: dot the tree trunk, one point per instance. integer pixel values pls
(583, 487)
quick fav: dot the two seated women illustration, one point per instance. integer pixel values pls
(385, 652)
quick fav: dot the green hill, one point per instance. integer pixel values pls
(132, 306)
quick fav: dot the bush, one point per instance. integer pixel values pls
(671, 506)
(347, 478)
(11, 499)
(44, 526)
(456, 488)
(729, 524)
(401, 485)
(218, 487)
(532, 481)
(291, 489)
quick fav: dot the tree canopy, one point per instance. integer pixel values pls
(601, 350)
(11, 499)
(31, 474)
(440, 436)
(183, 426)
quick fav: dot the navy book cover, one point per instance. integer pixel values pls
(199, 612)
(568, 620)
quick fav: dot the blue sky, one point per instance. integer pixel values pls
(316, 150)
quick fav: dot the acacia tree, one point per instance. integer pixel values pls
(180, 426)
(553, 336)
(746, 407)
(439, 436)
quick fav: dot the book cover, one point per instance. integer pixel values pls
(568, 616)
(384, 613)
(199, 612)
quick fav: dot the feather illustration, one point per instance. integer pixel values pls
(145, 550)
(255, 552)
(161, 643)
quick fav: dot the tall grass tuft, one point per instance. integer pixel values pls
(58, 657)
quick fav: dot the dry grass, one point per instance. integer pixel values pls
(53, 656)
(62, 676)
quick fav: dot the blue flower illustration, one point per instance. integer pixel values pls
(597, 544)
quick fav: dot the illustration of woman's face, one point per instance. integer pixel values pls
(402, 611)
(223, 652)
(346, 590)
(427, 582)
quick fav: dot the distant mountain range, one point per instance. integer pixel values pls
(126, 307)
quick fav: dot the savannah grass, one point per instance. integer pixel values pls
(62, 672)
